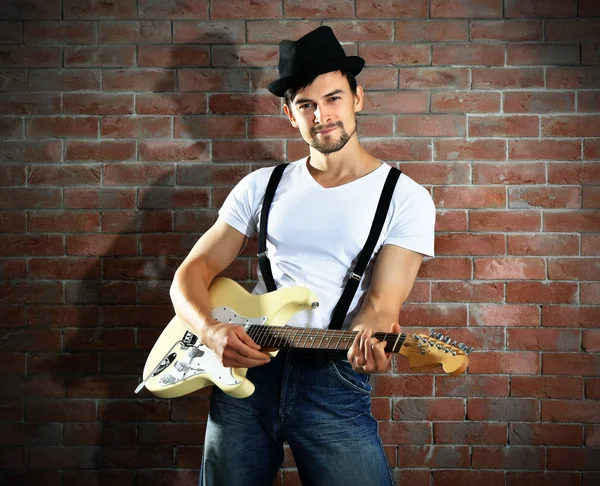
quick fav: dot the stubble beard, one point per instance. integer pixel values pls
(327, 146)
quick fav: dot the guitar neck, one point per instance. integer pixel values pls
(287, 337)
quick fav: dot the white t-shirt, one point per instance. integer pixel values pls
(315, 234)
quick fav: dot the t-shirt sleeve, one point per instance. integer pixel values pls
(414, 224)
(239, 209)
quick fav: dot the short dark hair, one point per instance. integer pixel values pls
(291, 93)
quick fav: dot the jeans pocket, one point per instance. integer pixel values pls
(344, 374)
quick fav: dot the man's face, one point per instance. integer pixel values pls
(325, 112)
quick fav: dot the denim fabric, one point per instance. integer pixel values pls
(322, 411)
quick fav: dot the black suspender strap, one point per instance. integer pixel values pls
(263, 261)
(341, 309)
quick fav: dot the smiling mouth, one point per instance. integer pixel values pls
(325, 131)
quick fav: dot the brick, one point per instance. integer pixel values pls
(54, 126)
(400, 433)
(134, 32)
(30, 198)
(209, 79)
(137, 221)
(571, 364)
(62, 316)
(496, 362)
(197, 221)
(363, 30)
(173, 56)
(27, 151)
(589, 53)
(591, 436)
(99, 56)
(102, 151)
(570, 316)
(175, 151)
(446, 268)
(194, 32)
(507, 78)
(119, 456)
(541, 293)
(574, 459)
(328, 9)
(10, 32)
(242, 56)
(64, 268)
(509, 173)
(138, 410)
(396, 102)
(503, 409)
(432, 409)
(390, 9)
(433, 456)
(13, 222)
(551, 197)
(12, 268)
(469, 244)
(504, 315)
(139, 127)
(545, 478)
(428, 173)
(379, 78)
(434, 78)
(171, 104)
(252, 104)
(540, 8)
(431, 314)
(31, 245)
(585, 221)
(573, 268)
(579, 174)
(211, 174)
(470, 54)
(138, 80)
(172, 198)
(503, 126)
(506, 30)
(575, 30)
(544, 150)
(139, 174)
(470, 197)
(466, 292)
(31, 434)
(592, 388)
(105, 339)
(98, 10)
(511, 457)
(541, 54)
(400, 149)
(172, 9)
(590, 197)
(100, 387)
(465, 102)
(177, 245)
(265, 32)
(538, 102)
(63, 80)
(509, 269)
(471, 385)
(466, 8)
(137, 316)
(71, 411)
(153, 293)
(588, 102)
(269, 126)
(547, 387)
(174, 433)
(431, 30)
(99, 198)
(32, 340)
(11, 127)
(13, 175)
(588, 8)
(576, 126)
(470, 150)
(247, 150)
(406, 385)
(544, 339)
(431, 125)
(395, 54)
(30, 56)
(101, 245)
(98, 104)
(15, 80)
(468, 477)
(591, 341)
(543, 244)
(97, 434)
(469, 433)
(139, 269)
(59, 32)
(572, 77)
(48, 457)
(589, 293)
(63, 221)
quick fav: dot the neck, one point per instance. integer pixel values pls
(285, 337)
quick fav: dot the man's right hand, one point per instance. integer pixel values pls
(234, 347)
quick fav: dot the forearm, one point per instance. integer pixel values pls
(378, 321)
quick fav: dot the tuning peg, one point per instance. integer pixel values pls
(448, 340)
(432, 333)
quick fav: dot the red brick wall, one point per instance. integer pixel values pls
(125, 123)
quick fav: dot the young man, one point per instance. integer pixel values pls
(320, 217)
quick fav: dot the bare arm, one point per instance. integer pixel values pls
(393, 278)
(212, 254)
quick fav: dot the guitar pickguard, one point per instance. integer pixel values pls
(196, 359)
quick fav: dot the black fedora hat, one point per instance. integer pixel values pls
(318, 52)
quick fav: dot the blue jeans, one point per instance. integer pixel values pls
(324, 414)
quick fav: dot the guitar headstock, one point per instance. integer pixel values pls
(425, 352)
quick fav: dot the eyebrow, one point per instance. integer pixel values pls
(306, 100)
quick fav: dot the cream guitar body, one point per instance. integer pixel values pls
(180, 364)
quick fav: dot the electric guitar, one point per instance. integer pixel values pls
(179, 363)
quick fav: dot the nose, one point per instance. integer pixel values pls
(322, 115)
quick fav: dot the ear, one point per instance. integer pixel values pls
(290, 115)
(359, 99)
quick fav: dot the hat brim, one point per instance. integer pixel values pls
(354, 64)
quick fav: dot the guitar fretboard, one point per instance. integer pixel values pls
(286, 337)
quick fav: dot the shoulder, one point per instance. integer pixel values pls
(410, 195)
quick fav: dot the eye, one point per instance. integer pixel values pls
(334, 98)
(305, 106)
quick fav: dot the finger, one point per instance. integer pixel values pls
(242, 347)
(380, 357)
(246, 339)
(358, 350)
(364, 345)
